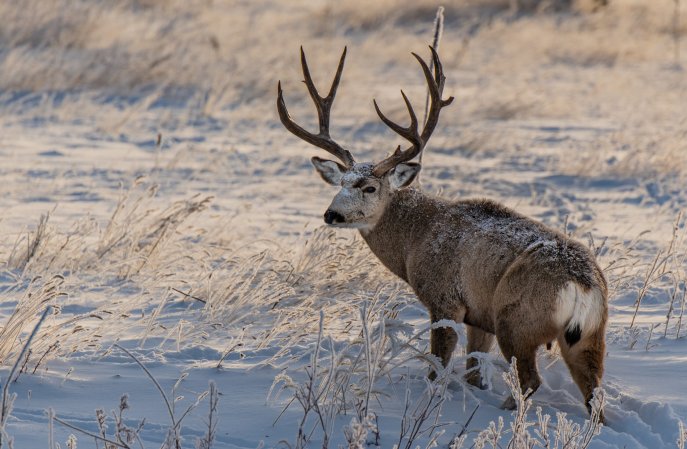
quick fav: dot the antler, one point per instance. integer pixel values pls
(323, 105)
(411, 133)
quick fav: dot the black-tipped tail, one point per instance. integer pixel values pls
(573, 335)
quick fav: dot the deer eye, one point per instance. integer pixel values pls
(369, 189)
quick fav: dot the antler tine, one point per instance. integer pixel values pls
(436, 88)
(323, 106)
(409, 132)
(435, 83)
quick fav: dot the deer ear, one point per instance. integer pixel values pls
(403, 174)
(330, 171)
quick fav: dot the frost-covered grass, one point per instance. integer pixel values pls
(152, 200)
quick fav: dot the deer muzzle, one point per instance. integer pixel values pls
(333, 217)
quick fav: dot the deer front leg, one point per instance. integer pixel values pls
(478, 341)
(442, 343)
(443, 340)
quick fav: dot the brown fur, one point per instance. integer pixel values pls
(497, 271)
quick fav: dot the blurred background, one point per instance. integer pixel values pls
(616, 60)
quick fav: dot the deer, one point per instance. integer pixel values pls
(505, 276)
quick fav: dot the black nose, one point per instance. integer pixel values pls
(331, 217)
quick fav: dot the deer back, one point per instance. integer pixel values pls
(455, 254)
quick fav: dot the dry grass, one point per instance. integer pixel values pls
(161, 256)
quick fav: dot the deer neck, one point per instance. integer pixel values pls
(402, 224)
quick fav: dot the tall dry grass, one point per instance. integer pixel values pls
(150, 256)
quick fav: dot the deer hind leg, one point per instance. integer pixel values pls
(514, 341)
(585, 360)
(478, 341)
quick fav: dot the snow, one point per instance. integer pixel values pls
(205, 255)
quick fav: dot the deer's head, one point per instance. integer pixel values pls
(366, 188)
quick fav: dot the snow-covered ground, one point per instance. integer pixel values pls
(150, 195)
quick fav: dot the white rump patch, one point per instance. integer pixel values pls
(579, 308)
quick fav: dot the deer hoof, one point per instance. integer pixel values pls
(474, 378)
(508, 404)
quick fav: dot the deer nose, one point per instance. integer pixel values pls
(332, 217)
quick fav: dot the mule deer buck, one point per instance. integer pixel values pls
(472, 261)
